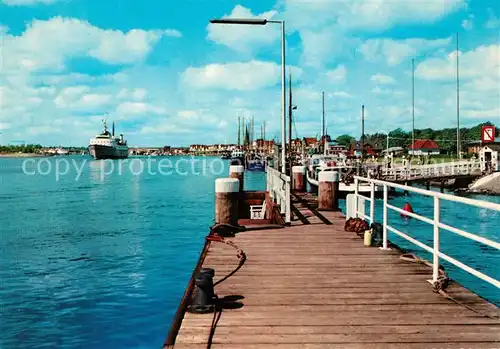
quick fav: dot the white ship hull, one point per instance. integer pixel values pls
(343, 188)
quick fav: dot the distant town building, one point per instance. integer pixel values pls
(335, 148)
(474, 147)
(310, 142)
(263, 144)
(424, 147)
(489, 155)
(355, 149)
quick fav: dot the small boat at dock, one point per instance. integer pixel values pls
(255, 163)
(319, 163)
(238, 158)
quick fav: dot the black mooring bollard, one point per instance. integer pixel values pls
(204, 295)
(210, 273)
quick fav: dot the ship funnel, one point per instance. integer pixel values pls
(121, 138)
(113, 132)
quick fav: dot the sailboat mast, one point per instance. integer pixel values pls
(323, 122)
(323, 114)
(362, 131)
(413, 102)
(252, 138)
(290, 114)
(458, 110)
(264, 137)
(239, 128)
(243, 131)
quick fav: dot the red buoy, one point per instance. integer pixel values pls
(407, 207)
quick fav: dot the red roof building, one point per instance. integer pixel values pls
(310, 141)
(424, 147)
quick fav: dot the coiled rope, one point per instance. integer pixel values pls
(214, 237)
(442, 283)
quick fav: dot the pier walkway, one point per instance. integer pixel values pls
(313, 285)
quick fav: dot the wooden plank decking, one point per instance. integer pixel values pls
(313, 285)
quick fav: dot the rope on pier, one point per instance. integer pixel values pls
(442, 283)
(213, 236)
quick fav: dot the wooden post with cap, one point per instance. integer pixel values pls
(328, 191)
(226, 200)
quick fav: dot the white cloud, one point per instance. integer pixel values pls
(341, 94)
(386, 91)
(468, 23)
(80, 98)
(320, 46)
(137, 108)
(164, 128)
(28, 2)
(337, 75)
(396, 51)
(137, 94)
(383, 79)
(492, 114)
(493, 21)
(482, 62)
(46, 45)
(367, 14)
(247, 76)
(42, 130)
(244, 38)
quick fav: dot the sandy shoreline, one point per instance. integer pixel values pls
(22, 155)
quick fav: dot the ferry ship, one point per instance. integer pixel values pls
(106, 146)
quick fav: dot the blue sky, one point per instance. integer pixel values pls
(168, 77)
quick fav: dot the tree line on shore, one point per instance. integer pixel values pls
(31, 149)
(446, 138)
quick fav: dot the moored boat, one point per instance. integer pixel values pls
(238, 158)
(255, 163)
(319, 163)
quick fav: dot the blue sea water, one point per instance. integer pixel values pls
(101, 260)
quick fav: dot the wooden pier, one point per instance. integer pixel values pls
(313, 285)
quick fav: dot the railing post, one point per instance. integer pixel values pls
(356, 187)
(288, 209)
(372, 202)
(385, 220)
(435, 257)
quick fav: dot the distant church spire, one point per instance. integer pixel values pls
(247, 137)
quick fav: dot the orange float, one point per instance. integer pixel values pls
(407, 208)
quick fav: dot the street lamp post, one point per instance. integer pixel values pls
(256, 21)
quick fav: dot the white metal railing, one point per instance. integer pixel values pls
(278, 186)
(435, 222)
(433, 170)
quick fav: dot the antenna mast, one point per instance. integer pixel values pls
(362, 131)
(413, 103)
(239, 128)
(459, 155)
